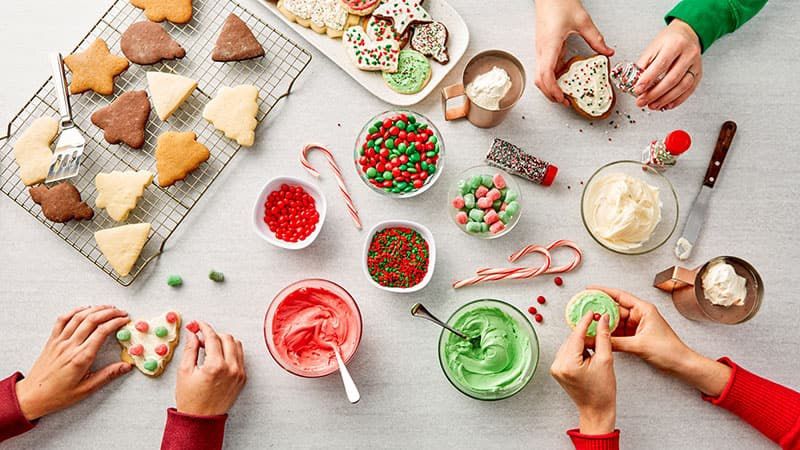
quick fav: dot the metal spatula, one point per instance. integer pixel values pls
(66, 162)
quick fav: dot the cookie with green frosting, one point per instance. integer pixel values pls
(597, 302)
(413, 73)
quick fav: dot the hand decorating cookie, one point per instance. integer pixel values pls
(177, 155)
(233, 111)
(94, 69)
(236, 42)
(169, 91)
(403, 13)
(175, 11)
(599, 303)
(370, 55)
(430, 39)
(587, 84)
(122, 245)
(412, 75)
(147, 42)
(32, 150)
(119, 192)
(322, 16)
(61, 203)
(124, 120)
(150, 344)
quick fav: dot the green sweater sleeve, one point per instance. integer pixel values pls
(712, 19)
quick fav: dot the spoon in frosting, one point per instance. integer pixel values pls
(350, 387)
(418, 310)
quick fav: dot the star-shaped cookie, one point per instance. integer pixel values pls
(403, 13)
(233, 111)
(175, 11)
(94, 69)
(124, 119)
(177, 155)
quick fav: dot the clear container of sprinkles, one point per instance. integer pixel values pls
(625, 76)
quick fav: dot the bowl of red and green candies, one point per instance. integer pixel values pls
(485, 202)
(399, 154)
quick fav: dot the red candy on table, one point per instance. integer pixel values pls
(538, 317)
(558, 281)
(193, 326)
(541, 299)
(142, 326)
(161, 350)
(532, 309)
(136, 350)
(172, 317)
(291, 213)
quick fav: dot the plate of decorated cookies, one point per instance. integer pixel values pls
(399, 50)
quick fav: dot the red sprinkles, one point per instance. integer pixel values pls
(398, 257)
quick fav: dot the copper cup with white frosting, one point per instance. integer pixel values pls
(696, 298)
(487, 105)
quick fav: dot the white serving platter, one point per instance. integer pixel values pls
(440, 10)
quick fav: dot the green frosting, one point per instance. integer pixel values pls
(123, 335)
(413, 72)
(597, 302)
(496, 359)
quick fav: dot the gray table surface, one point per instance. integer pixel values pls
(750, 77)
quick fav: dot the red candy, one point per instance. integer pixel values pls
(558, 281)
(532, 310)
(142, 326)
(596, 316)
(291, 213)
(136, 350)
(538, 317)
(193, 326)
(161, 350)
(541, 299)
(172, 317)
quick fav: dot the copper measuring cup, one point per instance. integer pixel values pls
(480, 64)
(686, 287)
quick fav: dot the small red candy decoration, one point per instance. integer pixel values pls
(596, 316)
(136, 350)
(558, 281)
(193, 326)
(172, 317)
(541, 299)
(291, 213)
(161, 350)
(142, 326)
(532, 310)
(538, 317)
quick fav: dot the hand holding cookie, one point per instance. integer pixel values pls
(673, 67)
(62, 374)
(210, 389)
(555, 21)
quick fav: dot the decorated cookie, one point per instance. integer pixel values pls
(94, 69)
(150, 344)
(402, 13)
(169, 91)
(367, 54)
(233, 111)
(175, 11)
(430, 39)
(597, 302)
(381, 30)
(32, 150)
(61, 203)
(323, 16)
(124, 119)
(177, 155)
(360, 7)
(122, 245)
(586, 82)
(413, 73)
(148, 43)
(236, 42)
(118, 192)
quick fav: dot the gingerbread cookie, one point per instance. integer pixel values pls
(322, 16)
(412, 75)
(169, 91)
(32, 150)
(403, 13)
(148, 43)
(177, 155)
(61, 203)
(175, 11)
(119, 192)
(233, 111)
(124, 119)
(381, 30)
(122, 245)
(367, 54)
(95, 69)
(236, 42)
(587, 84)
(360, 7)
(430, 39)
(150, 344)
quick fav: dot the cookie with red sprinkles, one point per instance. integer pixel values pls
(430, 39)
(403, 13)
(370, 55)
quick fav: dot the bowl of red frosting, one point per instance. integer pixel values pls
(305, 321)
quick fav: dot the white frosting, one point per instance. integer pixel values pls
(322, 13)
(683, 249)
(722, 286)
(622, 211)
(487, 89)
(150, 341)
(587, 83)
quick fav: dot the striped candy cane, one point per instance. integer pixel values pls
(351, 207)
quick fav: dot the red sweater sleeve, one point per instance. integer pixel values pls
(195, 432)
(12, 421)
(609, 441)
(769, 407)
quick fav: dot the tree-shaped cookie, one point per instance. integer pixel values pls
(233, 111)
(169, 91)
(118, 192)
(124, 119)
(94, 69)
(32, 150)
(122, 245)
(147, 42)
(586, 81)
(61, 203)
(150, 344)
(236, 42)
(177, 155)
(175, 11)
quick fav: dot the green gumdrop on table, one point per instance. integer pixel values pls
(216, 276)
(174, 280)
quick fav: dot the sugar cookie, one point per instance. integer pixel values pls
(403, 13)
(430, 39)
(61, 203)
(599, 303)
(32, 150)
(169, 91)
(122, 245)
(150, 344)
(118, 192)
(412, 75)
(124, 120)
(233, 111)
(323, 16)
(94, 69)
(367, 54)
(175, 11)
(177, 155)
(587, 84)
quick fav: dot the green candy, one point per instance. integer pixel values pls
(463, 187)
(151, 365)
(400, 124)
(371, 172)
(402, 147)
(512, 208)
(390, 143)
(412, 148)
(402, 185)
(161, 332)
(412, 119)
(387, 175)
(430, 154)
(486, 180)
(475, 181)
(414, 157)
(377, 125)
(372, 130)
(411, 128)
(511, 195)
(174, 280)
(408, 188)
(503, 194)
(218, 277)
(469, 200)
(378, 142)
(476, 214)
(411, 170)
(424, 165)
(431, 169)
(473, 227)
(503, 216)
(496, 204)
(484, 227)
(123, 335)
(433, 139)
(422, 126)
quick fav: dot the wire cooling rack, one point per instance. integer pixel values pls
(163, 208)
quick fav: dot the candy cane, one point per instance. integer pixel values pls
(351, 207)
(576, 261)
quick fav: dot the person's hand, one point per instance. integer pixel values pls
(210, 389)
(642, 331)
(673, 67)
(589, 379)
(62, 375)
(555, 21)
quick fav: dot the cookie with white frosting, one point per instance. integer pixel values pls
(150, 344)
(586, 82)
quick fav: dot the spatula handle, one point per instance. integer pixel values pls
(720, 151)
(60, 82)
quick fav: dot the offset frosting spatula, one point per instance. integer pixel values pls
(697, 215)
(66, 162)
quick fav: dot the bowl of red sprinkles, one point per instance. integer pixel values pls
(399, 256)
(289, 213)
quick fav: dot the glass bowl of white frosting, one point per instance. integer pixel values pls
(629, 208)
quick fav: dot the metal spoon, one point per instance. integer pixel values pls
(420, 311)
(349, 385)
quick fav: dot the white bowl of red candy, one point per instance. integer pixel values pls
(289, 213)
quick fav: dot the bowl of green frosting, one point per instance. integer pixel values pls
(501, 356)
